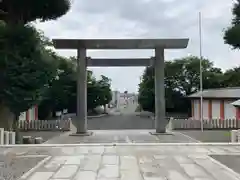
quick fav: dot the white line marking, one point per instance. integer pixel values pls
(189, 137)
(224, 167)
(28, 173)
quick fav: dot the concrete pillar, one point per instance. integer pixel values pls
(81, 92)
(6, 137)
(1, 136)
(170, 125)
(12, 137)
(160, 119)
(234, 136)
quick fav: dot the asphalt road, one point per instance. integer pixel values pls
(209, 135)
(123, 118)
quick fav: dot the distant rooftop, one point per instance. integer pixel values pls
(231, 92)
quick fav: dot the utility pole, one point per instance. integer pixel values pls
(201, 73)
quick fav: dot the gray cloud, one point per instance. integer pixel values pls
(147, 19)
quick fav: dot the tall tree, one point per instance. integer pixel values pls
(105, 91)
(231, 77)
(184, 74)
(62, 92)
(26, 69)
(24, 11)
(26, 66)
(146, 90)
(232, 33)
(181, 79)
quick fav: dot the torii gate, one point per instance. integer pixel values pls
(82, 45)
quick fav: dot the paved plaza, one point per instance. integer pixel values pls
(128, 161)
(115, 154)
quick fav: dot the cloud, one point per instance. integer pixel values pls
(146, 19)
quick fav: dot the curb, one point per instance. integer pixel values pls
(123, 144)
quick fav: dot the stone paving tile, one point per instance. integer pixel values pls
(66, 171)
(141, 163)
(41, 175)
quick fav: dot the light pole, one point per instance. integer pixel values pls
(201, 73)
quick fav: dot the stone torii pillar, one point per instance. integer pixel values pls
(160, 119)
(81, 92)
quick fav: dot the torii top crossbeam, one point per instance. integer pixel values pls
(120, 43)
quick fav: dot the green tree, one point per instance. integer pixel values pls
(26, 69)
(105, 93)
(231, 77)
(26, 66)
(184, 75)
(181, 79)
(232, 33)
(24, 11)
(61, 91)
(146, 90)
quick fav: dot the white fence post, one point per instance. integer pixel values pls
(208, 124)
(45, 125)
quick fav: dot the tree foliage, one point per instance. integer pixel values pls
(232, 33)
(26, 67)
(182, 79)
(62, 93)
(25, 11)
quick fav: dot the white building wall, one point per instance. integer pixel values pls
(31, 114)
(205, 109)
(229, 110)
(196, 109)
(115, 97)
(216, 109)
(22, 116)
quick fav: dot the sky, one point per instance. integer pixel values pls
(146, 19)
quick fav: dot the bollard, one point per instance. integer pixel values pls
(1, 136)
(12, 137)
(6, 137)
(27, 140)
(170, 124)
(234, 136)
(238, 136)
(38, 140)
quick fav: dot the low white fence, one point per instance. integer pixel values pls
(45, 125)
(181, 124)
